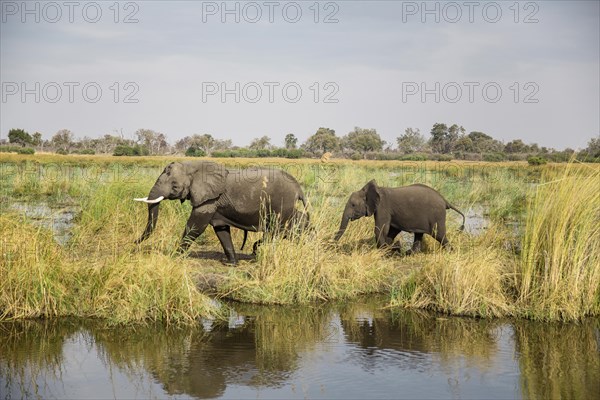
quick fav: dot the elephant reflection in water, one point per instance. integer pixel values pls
(261, 352)
(555, 360)
(419, 334)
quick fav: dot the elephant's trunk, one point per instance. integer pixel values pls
(153, 205)
(343, 226)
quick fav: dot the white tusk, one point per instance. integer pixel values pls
(145, 200)
(157, 200)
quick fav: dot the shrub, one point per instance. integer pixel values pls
(494, 157)
(516, 157)
(16, 149)
(442, 157)
(263, 153)
(194, 152)
(62, 152)
(414, 157)
(84, 151)
(294, 153)
(8, 149)
(534, 160)
(124, 150)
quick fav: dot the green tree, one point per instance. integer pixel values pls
(464, 144)
(515, 146)
(63, 140)
(443, 138)
(154, 142)
(322, 141)
(108, 143)
(593, 147)
(183, 144)
(363, 140)
(483, 143)
(20, 137)
(411, 141)
(146, 137)
(36, 139)
(290, 141)
(262, 143)
(204, 142)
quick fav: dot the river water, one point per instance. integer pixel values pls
(355, 350)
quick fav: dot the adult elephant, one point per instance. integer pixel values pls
(253, 199)
(416, 208)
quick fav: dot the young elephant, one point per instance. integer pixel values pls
(417, 208)
(252, 199)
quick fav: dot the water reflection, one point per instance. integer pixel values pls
(345, 351)
(59, 218)
(559, 360)
(419, 335)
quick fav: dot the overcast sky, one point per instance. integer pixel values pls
(529, 70)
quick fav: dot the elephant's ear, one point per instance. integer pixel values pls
(371, 196)
(207, 181)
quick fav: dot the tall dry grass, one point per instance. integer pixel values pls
(473, 279)
(559, 276)
(39, 278)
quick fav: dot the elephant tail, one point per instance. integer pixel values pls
(245, 237)
(450, 206)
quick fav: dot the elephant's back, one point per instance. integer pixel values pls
(420, 196)
(252, 184)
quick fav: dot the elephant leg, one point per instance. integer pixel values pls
(255, 246)
(224, 235)
(381, 233)
(440, 236)
(392, 233)
(416, 247)
(194, 227)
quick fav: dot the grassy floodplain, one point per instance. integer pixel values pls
(538, 258)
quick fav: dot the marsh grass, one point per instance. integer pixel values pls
(39, 278)
(102, 273)
(471, 280)
(560, 263)
(556, 276)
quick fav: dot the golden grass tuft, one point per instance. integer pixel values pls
(470, 280)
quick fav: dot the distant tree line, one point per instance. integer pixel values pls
(445, 142)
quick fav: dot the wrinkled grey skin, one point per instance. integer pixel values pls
(224, 198)
(417, 208)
